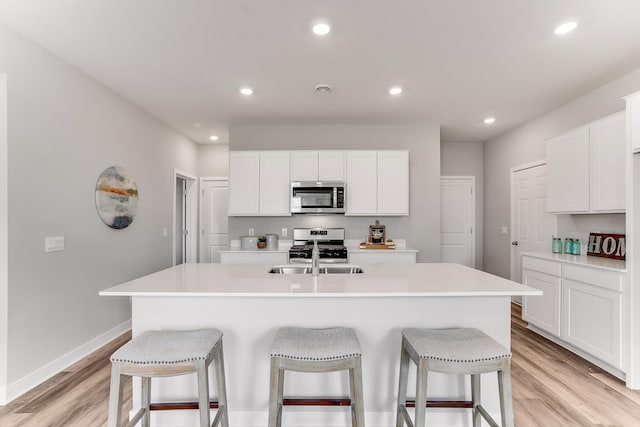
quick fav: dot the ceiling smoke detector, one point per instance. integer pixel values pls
(323, 89)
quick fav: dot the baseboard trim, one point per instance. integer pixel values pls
(40, 375)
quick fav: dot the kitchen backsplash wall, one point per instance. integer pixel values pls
(421, 228)
(579, 226)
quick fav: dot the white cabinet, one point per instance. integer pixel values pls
(259, 183)
(304, 166)
(592, 315)
(361, 185)
(542, 310)
(380, 256)
(581, 307)
(568, 172)
(317, 166)
(393, 183)
(331, 166)
(244, 182)
(633, 118)
(586, 168)
(607, 152)
(274, 183)
(377, 182)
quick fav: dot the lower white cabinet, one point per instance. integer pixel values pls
(542, 310)
(592, 316)
(581, 306)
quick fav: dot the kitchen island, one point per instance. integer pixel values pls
(249, 304)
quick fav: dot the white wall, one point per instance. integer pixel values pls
(4, 254)
(465, 159)
(526, 143)
(64, 129)
(421, 228)
(213, 160)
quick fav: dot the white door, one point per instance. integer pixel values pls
(531, 226)
(457, 219)
(215, 222)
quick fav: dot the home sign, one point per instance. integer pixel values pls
(607, 245)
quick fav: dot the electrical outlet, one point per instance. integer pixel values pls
(252, 231)
(54, 244)
(284, 232)
(504, 230)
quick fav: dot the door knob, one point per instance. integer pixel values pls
(514, 243)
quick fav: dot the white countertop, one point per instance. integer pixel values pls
(238, 249)
(584, 260)
(383, 251)
(378, 280)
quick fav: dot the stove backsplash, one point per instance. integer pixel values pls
(355, 227)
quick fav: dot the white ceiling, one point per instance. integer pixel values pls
(458, 60)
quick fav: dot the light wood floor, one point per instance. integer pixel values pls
(551, 388)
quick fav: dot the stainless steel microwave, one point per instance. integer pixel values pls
(311, 197)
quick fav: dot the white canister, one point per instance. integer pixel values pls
(249, 242)
(272, 241)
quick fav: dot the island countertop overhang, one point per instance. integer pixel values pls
(378, 280)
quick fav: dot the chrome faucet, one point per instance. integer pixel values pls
(315, 259)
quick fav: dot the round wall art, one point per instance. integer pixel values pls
(116, 197)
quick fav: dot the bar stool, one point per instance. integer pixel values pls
(315, 350)
(462, 351)
(169, 353)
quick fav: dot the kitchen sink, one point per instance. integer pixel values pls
(305, 269)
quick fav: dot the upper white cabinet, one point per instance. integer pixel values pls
(274, 183)
(393, 183)
(331, 166)
(633, 118)
(317, 166)
(259, 183)
(607, 149)
(377, 182)
(362, 183)
(244, 182)
(586, 168)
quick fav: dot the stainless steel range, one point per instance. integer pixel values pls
(330, 244)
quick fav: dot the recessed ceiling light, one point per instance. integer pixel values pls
(565, 28)
(321, 29)
(214, 137)
(489, 120)
(396, 90)
(246, 91)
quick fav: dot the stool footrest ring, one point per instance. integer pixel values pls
(172, 406)
(443, 404)
(317, 401)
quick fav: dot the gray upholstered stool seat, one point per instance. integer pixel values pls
(169, 353)
(460, 351)
(316, 350)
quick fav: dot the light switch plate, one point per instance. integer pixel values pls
(54, 244)
(504, 230)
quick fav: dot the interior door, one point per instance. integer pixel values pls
(215, 222)
(457, 219)
(531, 226)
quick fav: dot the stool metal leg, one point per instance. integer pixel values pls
(203, 392)
(475, 397)
(402, 386)
(115, 397)
(280, 395)
(357, 399)
(146, 401)
(506, 398)
(222, 387)
(421, 392)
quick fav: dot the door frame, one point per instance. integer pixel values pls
(512, 217)
(191, 217)
(202, 252)
(472, 180)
